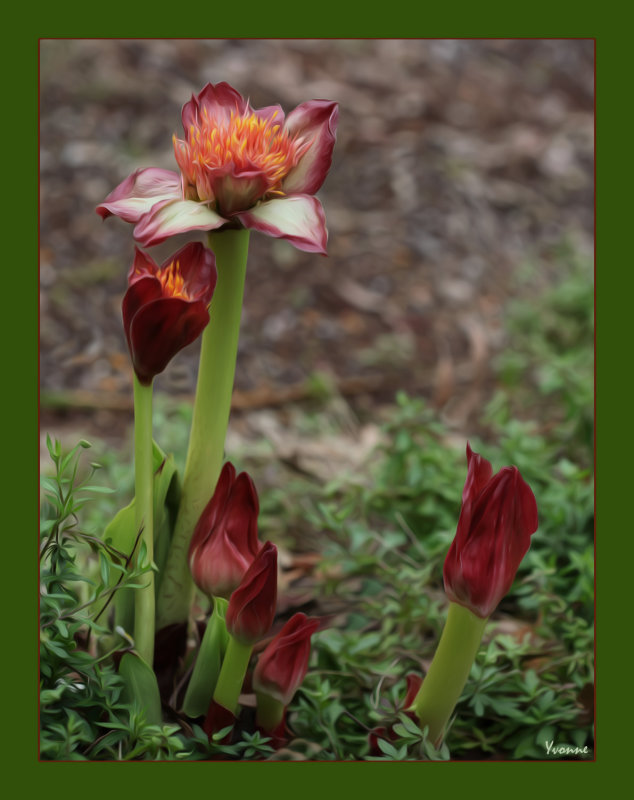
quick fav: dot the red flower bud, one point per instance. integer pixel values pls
(225, 540)
(497, 519)
(165, 308)
(284, 662)
(251, 608)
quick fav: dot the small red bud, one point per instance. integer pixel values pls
(251, 607)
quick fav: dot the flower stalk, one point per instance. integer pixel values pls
(249, 617)
(144, 600)
(270, 712)
(211, 416)
(449, 670)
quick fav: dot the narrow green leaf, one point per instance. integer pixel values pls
(208, 662)
(141, 688)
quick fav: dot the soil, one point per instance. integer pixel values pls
(457, 163)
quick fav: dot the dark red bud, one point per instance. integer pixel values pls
(282, 666)
(252, 605)
(225, 540)
(497, 519)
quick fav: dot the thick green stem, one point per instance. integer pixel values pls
(231, 678)
(144, 501)
(212, 405)
(449, 670)
(270, 712)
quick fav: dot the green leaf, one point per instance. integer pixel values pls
(220, 735)
(208, 662)
(141, 687)
(531, 681)
(121, 531)
(387, 748)
(410, 725)
(104, 566)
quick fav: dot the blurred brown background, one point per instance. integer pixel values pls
(457, 161)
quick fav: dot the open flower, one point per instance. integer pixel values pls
(165, 308)
(284, 663)
(225, 540)
(239, 167)
(497, 518)
(251, 608)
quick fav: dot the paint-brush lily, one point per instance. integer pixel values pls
(225, 540)
(283, 665)
(251, 607)
(280, 670)
(497, 519)
(165, 308)
(240, 167)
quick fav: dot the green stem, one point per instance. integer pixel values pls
(212, 405)
(449, 670)
(231, 678)
(269, 712)
(144, 497)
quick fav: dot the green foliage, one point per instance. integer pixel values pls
(250, 745)
(81, 693)
(383, 534)
(390, 529)
(550, 349)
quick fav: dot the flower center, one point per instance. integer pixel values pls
(248, 145)
(172, 281)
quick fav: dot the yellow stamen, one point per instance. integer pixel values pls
(172, 281)
(246, 140)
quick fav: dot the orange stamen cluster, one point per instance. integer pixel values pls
(172, 281)
(247, 141)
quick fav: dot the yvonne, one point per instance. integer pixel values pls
(565, 750)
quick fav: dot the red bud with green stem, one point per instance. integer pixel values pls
(249, 618)
(281, 668)
(497, 518)
(225, 540)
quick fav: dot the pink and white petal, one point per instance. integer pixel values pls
(299, 218)
(136, 195)
(315, 123)
(173, 217)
